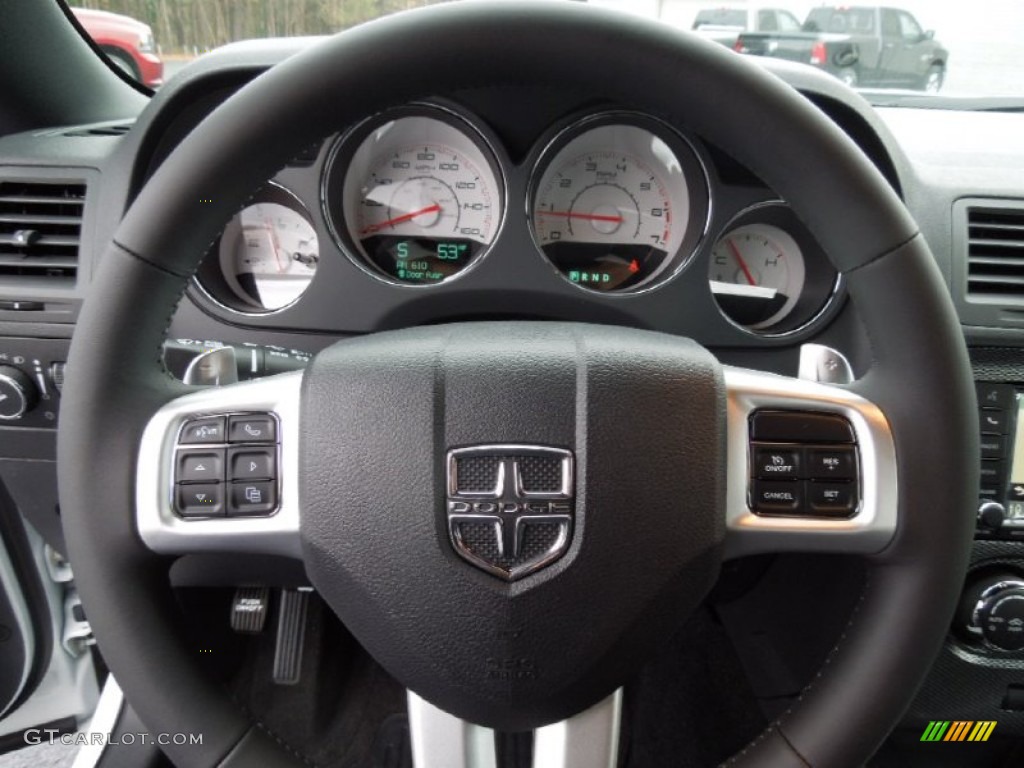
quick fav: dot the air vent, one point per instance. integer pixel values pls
(40, 225)
(115, 129)
(995, 253)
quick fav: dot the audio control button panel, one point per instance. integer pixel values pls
(803, 464)
(226, 465)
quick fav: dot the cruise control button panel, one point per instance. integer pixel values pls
(215, 475)
(803, 464)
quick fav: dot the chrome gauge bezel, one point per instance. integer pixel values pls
(823, 284)
(336, 170)
(695, 174)
(209, 279)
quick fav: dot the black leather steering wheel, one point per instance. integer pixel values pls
(344, 458)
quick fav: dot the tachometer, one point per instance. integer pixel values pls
(419, 196)
(618, 207)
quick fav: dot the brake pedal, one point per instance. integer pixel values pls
(249, 609)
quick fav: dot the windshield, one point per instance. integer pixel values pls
(924, 46)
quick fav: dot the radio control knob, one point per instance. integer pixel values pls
(18, 394)
(996, 611)
(991, 515)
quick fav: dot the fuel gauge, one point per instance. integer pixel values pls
(266, 257)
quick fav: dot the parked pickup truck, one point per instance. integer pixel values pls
(866, 46)
(724, 24)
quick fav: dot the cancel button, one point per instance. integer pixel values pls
(777, 497)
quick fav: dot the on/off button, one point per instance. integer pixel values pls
(777, 464)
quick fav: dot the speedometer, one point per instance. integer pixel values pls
(418, 196)
(619, 206)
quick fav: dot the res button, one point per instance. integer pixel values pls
(832, 464)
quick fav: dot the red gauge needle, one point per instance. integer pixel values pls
(741, 262)
(585, 216)
(274, 244)
(400, 219)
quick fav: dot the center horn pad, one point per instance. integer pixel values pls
(511, 516)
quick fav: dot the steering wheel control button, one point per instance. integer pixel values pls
(255, 498)
(201, 500)
(251, 429)
(832, 464)
(832, 499)
(778, 498)
(201, 466)
(797, 427)
(777, 463)
(207, 430)
(253, 464)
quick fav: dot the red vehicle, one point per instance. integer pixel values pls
(128, 44)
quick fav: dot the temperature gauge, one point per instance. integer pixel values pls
(768, 274)
(757, 274)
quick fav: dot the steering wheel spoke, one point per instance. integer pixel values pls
(589, 739)
(217, 470)
(812, 468)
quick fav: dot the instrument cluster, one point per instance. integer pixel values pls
(616, 203)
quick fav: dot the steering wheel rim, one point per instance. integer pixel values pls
(113, 389)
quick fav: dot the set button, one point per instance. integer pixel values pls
(832, 499)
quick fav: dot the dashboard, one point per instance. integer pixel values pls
(505, 203)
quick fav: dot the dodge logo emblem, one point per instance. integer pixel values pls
(510, 507)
